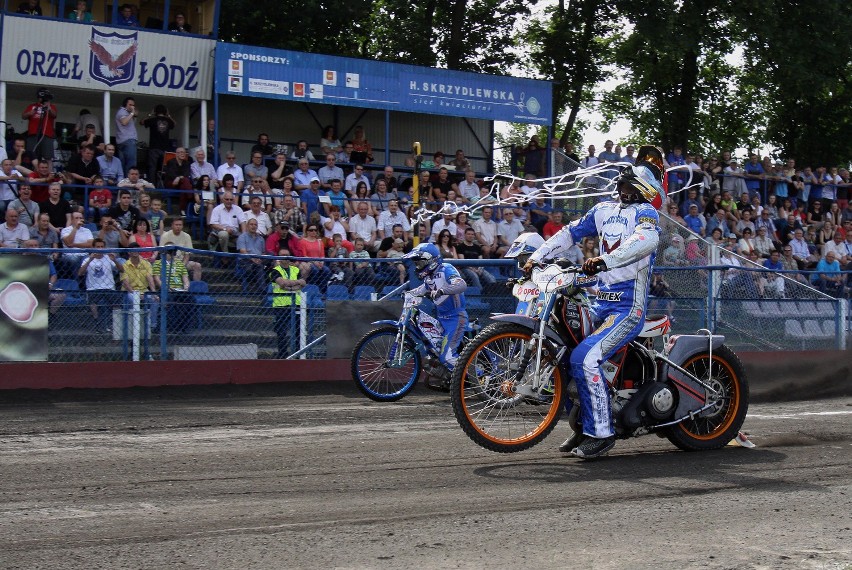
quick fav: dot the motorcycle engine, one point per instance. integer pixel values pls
(653, 402)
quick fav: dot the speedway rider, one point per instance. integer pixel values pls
(443, 284)
(629, 234)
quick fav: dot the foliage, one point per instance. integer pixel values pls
(571, 46)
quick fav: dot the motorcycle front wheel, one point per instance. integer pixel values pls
(485, 401)
(717, 426)
(379, 370)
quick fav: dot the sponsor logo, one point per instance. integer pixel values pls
(610, 296)
(596, 378)
(639, 313)
(533, 106)
(113, 57)
(608, 322)
(646, 220)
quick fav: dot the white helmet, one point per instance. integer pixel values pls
(524, 246)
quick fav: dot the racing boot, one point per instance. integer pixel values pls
(572, 442)
(594, 447)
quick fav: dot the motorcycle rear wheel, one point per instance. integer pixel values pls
(373, 368)
(717, 426)
(485, 404)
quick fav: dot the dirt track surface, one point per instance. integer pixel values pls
(319, 477)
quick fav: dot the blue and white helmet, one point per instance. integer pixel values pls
(524, 246)
(426, 258)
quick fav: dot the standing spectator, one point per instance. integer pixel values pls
(27, 210)
(110, 166)
(755, 175)
(226, 221)
(159, 124)
(251, 243)
(534, 157)
(362, 150)
(126, 136)
(286, 296)
(41, 123)
(100, 285)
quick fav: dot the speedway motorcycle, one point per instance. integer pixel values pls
(387, 361)
(513, 384)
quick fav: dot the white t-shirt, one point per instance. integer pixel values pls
(83, 235)
(99, 274)
(362, 227)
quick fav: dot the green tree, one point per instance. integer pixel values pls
(798, 68)
(571, 45)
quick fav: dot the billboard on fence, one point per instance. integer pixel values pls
(23, 307)
(317, 78)
(103, 58)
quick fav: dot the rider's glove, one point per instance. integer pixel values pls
(593, 266)
(436, 293)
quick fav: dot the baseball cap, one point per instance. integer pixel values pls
(284, 225)
(315, 179)
(732, 236)
(398, 241)
(90, 126)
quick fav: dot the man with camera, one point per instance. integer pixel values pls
(41, 117)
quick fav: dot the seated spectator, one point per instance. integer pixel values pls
(824, 235)
(828, 277)
(356, 179)
(74, 236)
(177, 176)
(176, 236)
(772, 284)
(391, 218)
(390, 179)
(674, 255)
(82, 167)
(441, 185)
(255, 212)
(396, 252)
(251, 243)
(840, 247)
(554, 224)
(718, 221)
(100, 198)
(281, 172)
(41, 179)
(589, 247)
(486, 233)
(301, 152)
(81, 14)
(28, 210)
(283, 236)
(816, 217)
(255, 168)
(110, 166)
(231, 167)
(694, 251)
(345, 155)
(126, 17)
(381, 196)
(258, 188)
(30, 8)
(362, 271)
(311, 199)
(341, 273)
(507, 230)
(695, 221)
(444, 223)
(363, 225)
(290, 214)
(460, 162)
(92, 140)
(311, 245)
(13, 233)
(180, 25)
(135, 184)
(144, 238)
(362, 150)
(330, 172)
(763, 245)
(361, 196)
(329, 143)
(262, 145)
(540, 210)
(335, 224)
(468, 188)
(468, 249)
(227, 222)
(746, 243)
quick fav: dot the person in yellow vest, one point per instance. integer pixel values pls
(285, 280)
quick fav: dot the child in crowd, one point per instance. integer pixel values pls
(363, 271)
(158, 217)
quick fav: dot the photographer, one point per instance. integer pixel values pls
(41, 117)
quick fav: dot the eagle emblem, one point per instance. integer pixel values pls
(113, 57)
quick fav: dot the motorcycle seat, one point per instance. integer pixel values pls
(655, 325)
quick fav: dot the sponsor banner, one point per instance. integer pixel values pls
(23, 307)
(378, 85)
(103, 58)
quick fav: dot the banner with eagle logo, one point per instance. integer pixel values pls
(113, 57)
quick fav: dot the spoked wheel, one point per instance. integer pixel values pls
(491, 405)
(718, 425)
(378, 368)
